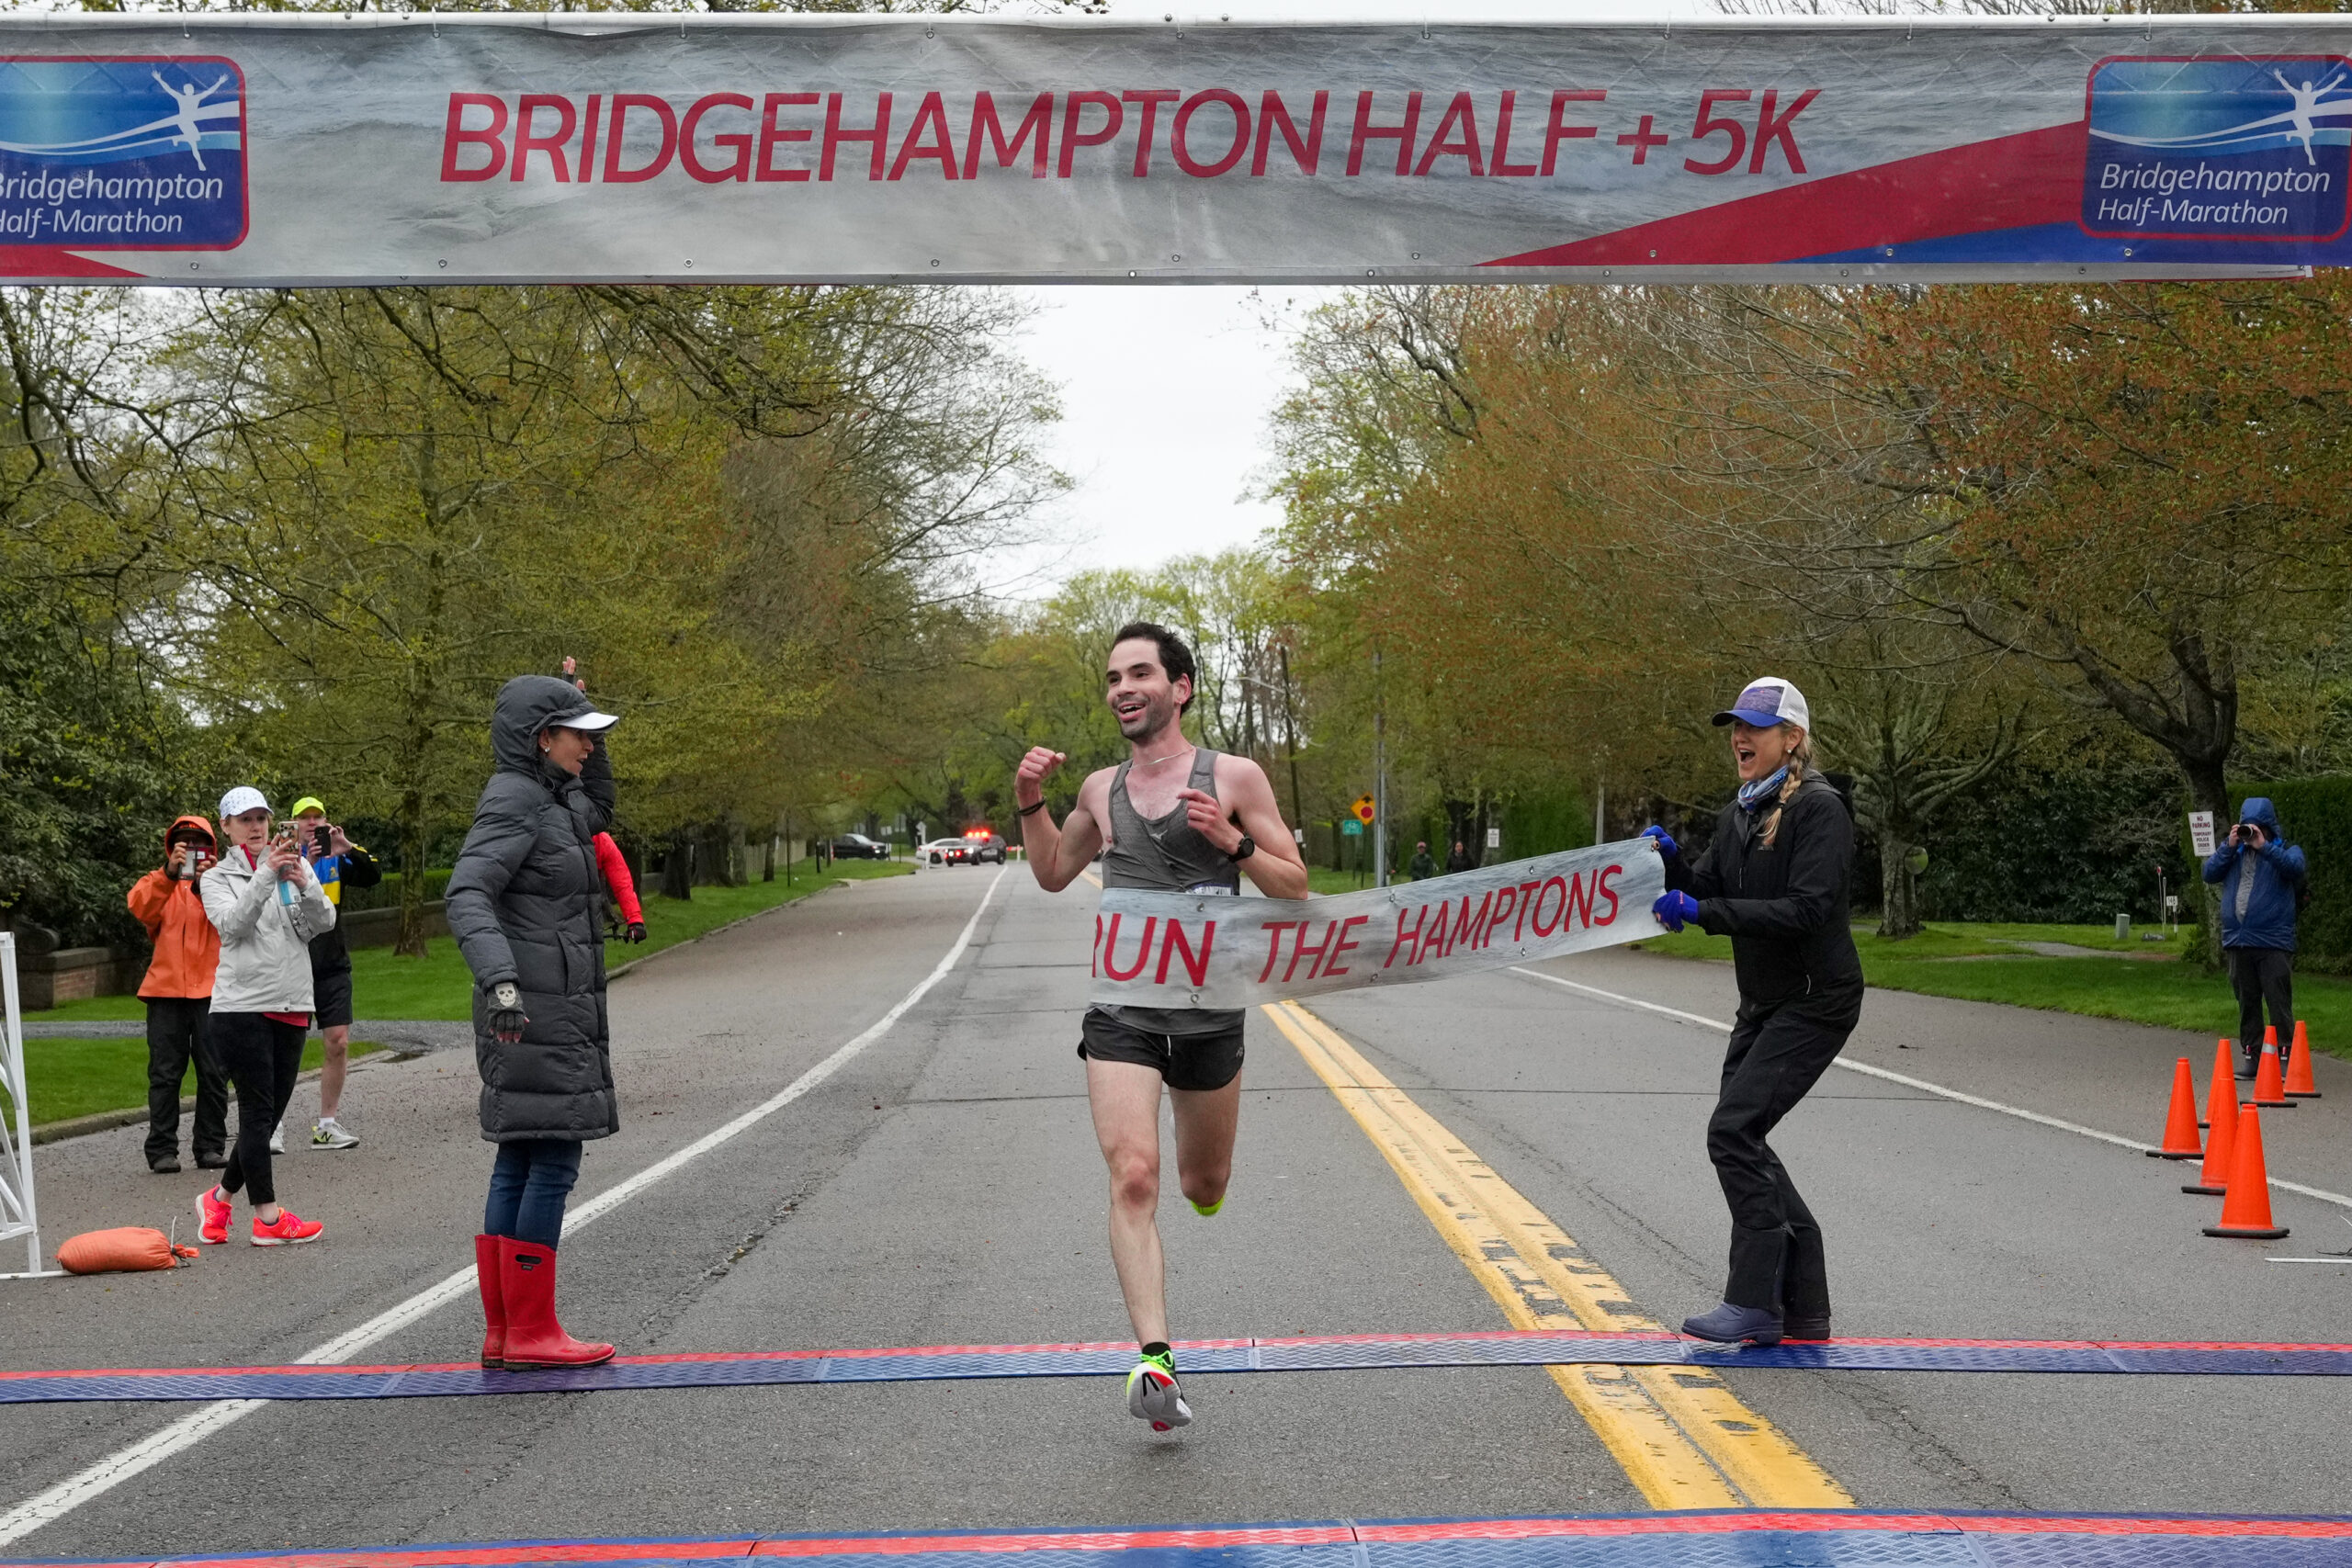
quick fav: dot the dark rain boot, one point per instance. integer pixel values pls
(526, 1288)
(1751, 1310)
(1804, 1287)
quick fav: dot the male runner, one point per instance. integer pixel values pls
(1177, 819)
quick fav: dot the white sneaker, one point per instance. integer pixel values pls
(327, 1133)
(277, 1139)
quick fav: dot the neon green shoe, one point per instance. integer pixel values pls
(1206, 1211)
(1152, 1393)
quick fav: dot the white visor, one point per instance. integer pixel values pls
(591, 721)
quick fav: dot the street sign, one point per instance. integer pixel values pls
(1350, 828)
(2200, 832)
(1494, 838)
(1364, 808)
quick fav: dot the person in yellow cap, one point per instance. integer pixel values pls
(338, 863)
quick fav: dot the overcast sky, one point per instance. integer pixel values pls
(1166, 389)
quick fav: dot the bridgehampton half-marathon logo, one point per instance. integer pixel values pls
(129, 153)
(2247, 148)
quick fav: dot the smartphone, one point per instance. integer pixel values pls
(323, 832)
(187, 861)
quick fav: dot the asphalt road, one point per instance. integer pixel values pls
(942, 1188)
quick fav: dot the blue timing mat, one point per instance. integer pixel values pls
(1330, 1353)
(1711, 1538)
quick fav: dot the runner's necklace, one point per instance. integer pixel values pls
(1155, 761)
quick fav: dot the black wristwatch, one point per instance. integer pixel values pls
(1244, 849)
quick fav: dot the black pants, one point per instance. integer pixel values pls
(1777, 1053)
(265, 1058)
(177, 1035)
(2262, 974)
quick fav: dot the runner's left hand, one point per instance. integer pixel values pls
(1208, 816)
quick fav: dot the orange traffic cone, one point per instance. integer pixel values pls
(2222, 1110)
(2180, 1120)
(2222, 1098)
(2299, 1067)
(2245, 1211)
(2269, 1089)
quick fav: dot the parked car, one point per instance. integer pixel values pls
(945, 851)
(981, 845)
(857, 846)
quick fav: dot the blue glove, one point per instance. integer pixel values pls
(1673, 908)
(1667, 848)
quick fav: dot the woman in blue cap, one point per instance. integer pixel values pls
(1773, 879)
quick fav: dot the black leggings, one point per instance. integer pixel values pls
(1776, 1056)
(263, 1056)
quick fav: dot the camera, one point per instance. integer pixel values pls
(2249, 830)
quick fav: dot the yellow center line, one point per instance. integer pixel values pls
(1680, 1433)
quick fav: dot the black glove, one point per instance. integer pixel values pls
(636, 932)
(506, 1015)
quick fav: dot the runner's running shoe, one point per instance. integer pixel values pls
(290, 1230)
(1152, 1393)
(211, 1216)
(327, 1133)
(277, 1139)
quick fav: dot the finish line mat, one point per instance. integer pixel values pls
(1741, 1539)
(1499, 1347)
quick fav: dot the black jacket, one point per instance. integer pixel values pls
(523, 905)
(1784, 908)
(330, 954)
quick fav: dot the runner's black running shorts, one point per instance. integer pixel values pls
(1184, 1061)
(330, 999)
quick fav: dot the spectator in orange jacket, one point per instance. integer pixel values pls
(179, 993)
(621, 886)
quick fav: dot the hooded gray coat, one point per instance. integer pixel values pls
(522, 904)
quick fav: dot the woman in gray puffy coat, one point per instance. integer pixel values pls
(523, 905)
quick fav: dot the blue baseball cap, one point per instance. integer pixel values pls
(1768, 701)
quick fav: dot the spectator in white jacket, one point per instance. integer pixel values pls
(266, 903)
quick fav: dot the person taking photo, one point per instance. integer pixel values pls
(266, 905)
(2261, 878)
(1773, 879)
(178, 989)
(338, 863)
(524, 906)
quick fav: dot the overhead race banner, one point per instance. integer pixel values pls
(267, 149)
(1185, 950)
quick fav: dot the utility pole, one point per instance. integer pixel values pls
(1379, 775)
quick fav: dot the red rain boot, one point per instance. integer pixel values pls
(534, 1338)
(494, 1303)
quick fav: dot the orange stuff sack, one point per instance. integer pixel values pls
(124, 1250)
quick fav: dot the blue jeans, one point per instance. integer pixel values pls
(527, 1189)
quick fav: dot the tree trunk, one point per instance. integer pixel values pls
(678, 865)
(1898, 915)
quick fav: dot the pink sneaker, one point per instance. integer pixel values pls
(291, 1230)
(211, 1216)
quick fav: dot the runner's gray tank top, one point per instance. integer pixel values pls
(1168, 856)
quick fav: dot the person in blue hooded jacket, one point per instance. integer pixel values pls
(2261, 878)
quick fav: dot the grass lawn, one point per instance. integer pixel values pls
(2170, 994)
(65, 1079)
(439, 986)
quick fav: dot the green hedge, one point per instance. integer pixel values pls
(386, 895)
(1546, 824)
(2316, 815)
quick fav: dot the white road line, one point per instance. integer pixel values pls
(193, 1428)
(1934, 1088)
